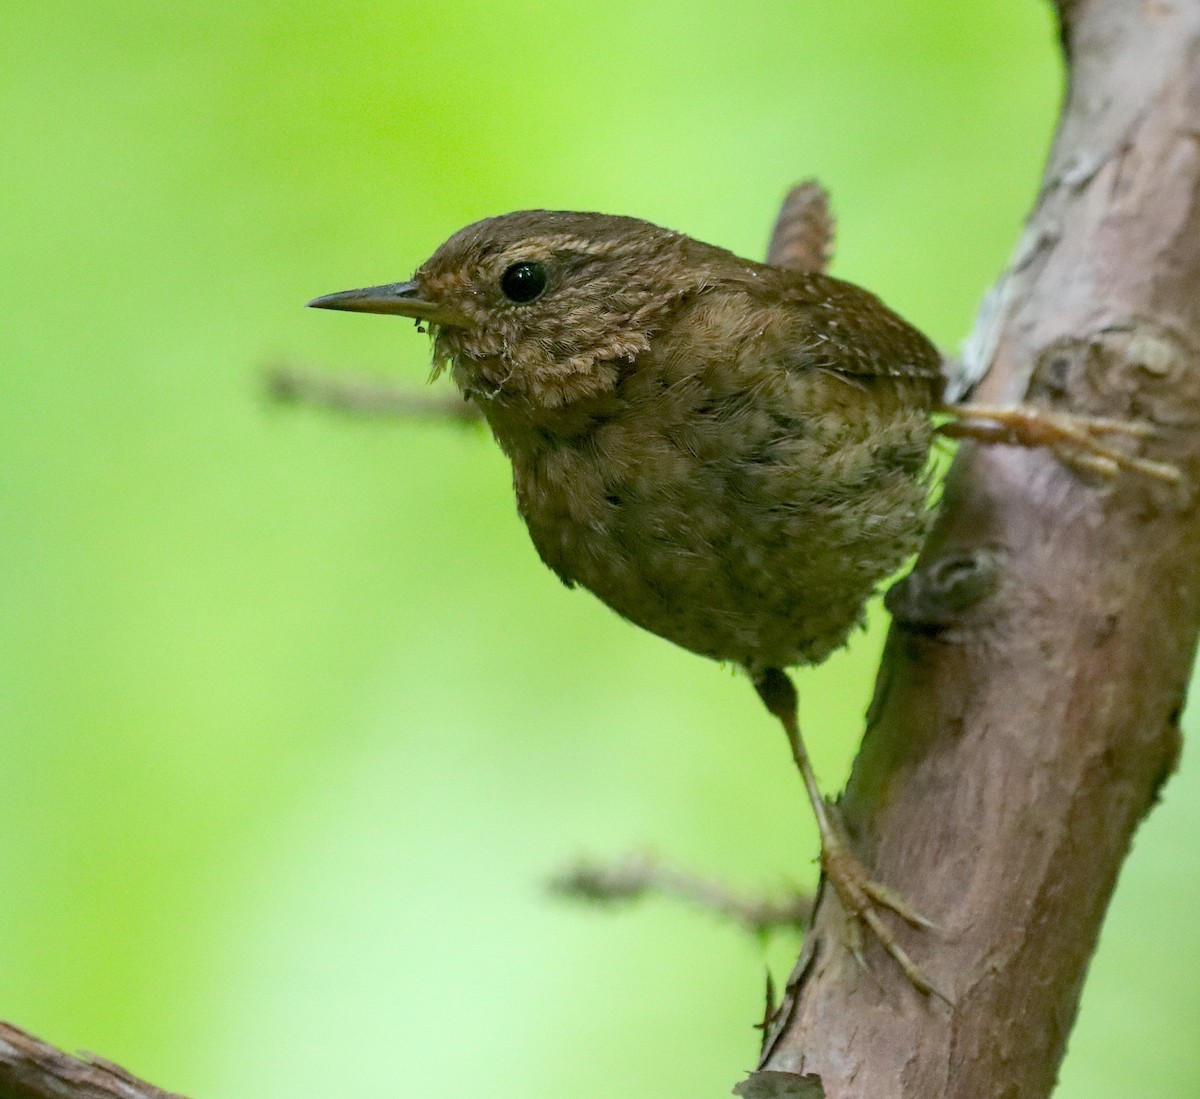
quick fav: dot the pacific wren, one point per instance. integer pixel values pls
(730, 454)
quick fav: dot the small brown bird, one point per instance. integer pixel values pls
(730, 454)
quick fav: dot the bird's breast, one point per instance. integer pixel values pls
(747, 518)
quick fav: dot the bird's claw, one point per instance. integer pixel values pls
(861, 900)
(1076, 439)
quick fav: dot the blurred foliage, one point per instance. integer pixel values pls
(293, 722)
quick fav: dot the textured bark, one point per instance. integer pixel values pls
(1026, 711)
(31, 1069)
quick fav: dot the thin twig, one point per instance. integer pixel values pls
(363, 398)
(638, 876)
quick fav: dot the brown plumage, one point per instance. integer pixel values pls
(729, 454)
(726, 453)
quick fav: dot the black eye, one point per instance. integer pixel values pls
(523, 282)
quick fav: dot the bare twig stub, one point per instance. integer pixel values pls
(1018, 736)
(638, 876)
(31, 1069)
(362, 398)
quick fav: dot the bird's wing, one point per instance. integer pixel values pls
(834, 325)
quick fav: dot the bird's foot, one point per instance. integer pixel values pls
(863, 900)
(1077, 440)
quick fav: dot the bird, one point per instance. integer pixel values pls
(731, 454)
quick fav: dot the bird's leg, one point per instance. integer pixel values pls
(860, 897)
(1076, 439)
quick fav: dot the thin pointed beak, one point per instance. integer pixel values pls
(400, 299)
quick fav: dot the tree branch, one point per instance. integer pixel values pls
(638, 876)
(31, 1069)
(362, 398)
(1023, 723)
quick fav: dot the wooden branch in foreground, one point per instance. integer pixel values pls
(1026, 711)
(31, 1069)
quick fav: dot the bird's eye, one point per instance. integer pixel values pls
(523, 282)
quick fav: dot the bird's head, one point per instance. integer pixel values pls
(543, 308)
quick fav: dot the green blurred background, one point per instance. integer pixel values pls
(293, 722)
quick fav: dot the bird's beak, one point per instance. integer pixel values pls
(403, 299)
